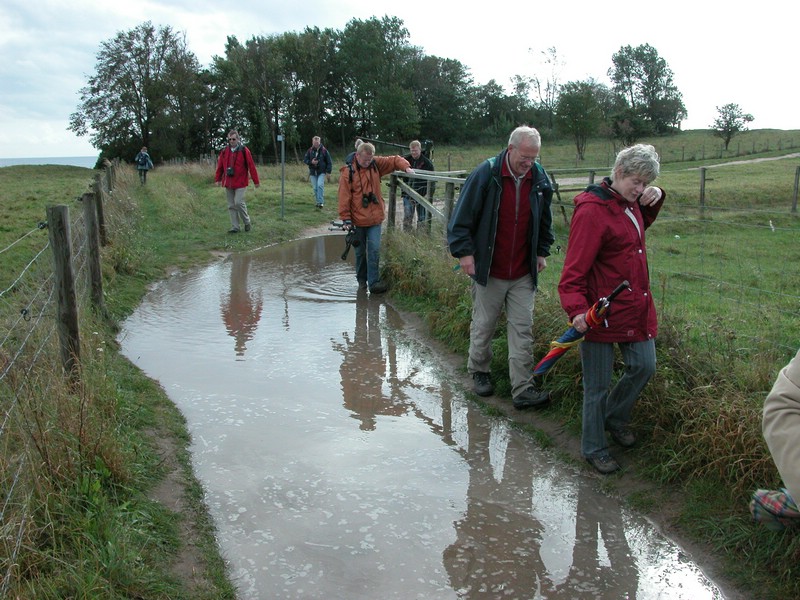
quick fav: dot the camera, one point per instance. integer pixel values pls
(367, 198)
(230, 171)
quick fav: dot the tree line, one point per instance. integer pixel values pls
(148, 89)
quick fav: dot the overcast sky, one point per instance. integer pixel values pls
(746, 55)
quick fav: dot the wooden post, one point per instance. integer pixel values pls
(67, 306)
(93, 244)
(392, 199)
(702, 190)
(101, 218)
(449, 195)
(796, 189)
(109, 183)
(428, 215)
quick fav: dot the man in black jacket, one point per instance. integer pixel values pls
(419, 162)
(501, 233)
(319, 168)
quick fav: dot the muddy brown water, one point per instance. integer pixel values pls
(341, 459)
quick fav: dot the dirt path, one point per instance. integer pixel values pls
(189, 565)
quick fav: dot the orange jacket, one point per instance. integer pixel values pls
(356, 182)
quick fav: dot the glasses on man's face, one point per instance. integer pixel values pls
(232, 139)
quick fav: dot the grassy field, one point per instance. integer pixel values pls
(727, 292)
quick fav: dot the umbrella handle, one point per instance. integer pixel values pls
(617, 290)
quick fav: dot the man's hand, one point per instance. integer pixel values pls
(541, 264)
(467, 265)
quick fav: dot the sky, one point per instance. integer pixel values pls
(746, 56)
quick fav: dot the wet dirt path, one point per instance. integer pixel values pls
(341, 459)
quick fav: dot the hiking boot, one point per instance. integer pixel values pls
(233, 230)
(604, 463)
(247, 227)
(379, 287)
(362, 285)
(623, 437)
(531, 397)
(482, 384)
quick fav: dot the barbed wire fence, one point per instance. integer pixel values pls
(39, 309)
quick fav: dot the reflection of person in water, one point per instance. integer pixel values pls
(498, 551)
(364, 367)
(241, 310)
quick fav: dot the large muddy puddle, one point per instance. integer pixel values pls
(341, 459)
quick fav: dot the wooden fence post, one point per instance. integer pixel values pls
(702, 190)
(67, 306)
(392, 199)
(101, 219)
(93, 244)
(449, 196)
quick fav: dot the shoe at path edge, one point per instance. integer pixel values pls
(604, 463)
(531, 397)
(482, 384)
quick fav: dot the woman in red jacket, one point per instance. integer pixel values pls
(235, 168)
(606, 247)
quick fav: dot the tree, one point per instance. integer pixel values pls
(143, 77)
(441, 88)
(730, 121)
(579, 112)
(644, 80)
(547, 91)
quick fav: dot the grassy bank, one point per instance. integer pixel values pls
(103, 454)
(99, 494)
(727, 292)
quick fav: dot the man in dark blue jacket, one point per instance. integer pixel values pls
(501, 232)
(319, 168)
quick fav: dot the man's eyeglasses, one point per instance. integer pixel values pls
(232, 139)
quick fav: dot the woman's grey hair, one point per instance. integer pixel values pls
(641, 160)
(525, 133)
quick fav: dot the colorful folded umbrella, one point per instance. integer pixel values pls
(595, 316)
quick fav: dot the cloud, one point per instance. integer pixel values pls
(49, 49)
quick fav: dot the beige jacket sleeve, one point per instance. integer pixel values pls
(781, 425)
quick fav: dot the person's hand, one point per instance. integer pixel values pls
(541, 264)
(257, 185)
(467, 265)
(347, 225)
(579, 323)
(329, 177)
(410, 170)
(650, 196)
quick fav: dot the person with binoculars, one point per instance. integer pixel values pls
(362, 209)
(233, 167)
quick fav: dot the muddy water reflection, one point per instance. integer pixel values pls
(341, 461)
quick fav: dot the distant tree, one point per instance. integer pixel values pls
(144, 78)
(730, 121)
(441, 88)
(546, 90)
(644, 80)
(628, 126)
(579, 112)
